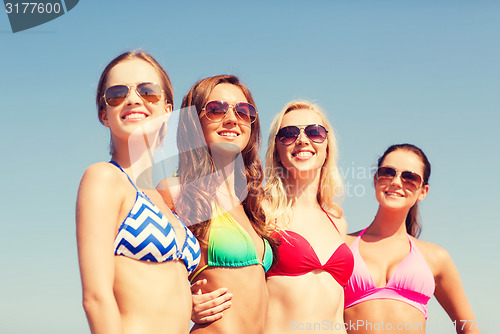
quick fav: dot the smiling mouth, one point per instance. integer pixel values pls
(303, 154)
(135, 116)
(392, 193)
(228, 134)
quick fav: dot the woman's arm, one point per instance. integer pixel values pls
(97, 209)
(451, 295)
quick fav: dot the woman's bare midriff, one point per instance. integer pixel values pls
(310, 303)
(249, 303)
(152, 297)
(384, 316)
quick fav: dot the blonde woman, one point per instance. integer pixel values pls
(306, 285)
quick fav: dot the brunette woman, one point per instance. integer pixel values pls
(134, 253)
(220, 196)
(395, 274)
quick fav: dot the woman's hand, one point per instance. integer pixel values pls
(208, 307)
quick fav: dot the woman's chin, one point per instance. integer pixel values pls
(224, 149)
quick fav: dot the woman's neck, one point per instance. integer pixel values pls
(388, 222)
(137, 164)
(226, 193)
(304, 191)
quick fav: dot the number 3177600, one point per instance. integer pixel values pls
(33, 8)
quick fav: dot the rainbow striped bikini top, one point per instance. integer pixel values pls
(147, 235)
(230, 245)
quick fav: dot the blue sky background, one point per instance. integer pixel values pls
(386, 72)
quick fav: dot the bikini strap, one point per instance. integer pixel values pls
(128, 177)
(363, 232)
(412, 244)
(355, 243)
(197, 272)
(331, 220)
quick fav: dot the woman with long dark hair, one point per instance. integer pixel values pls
(220, 195)
(395, 274)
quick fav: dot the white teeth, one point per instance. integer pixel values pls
(135, 115)
(390, 193)
(303, 154)
(228, 134)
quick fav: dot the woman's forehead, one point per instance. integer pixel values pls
(404, 160)
(301, 117)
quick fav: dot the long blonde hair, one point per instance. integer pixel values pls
(331, 186)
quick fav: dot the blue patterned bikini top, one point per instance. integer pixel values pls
(147, 235)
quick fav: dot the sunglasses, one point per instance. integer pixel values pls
(389, 173)
(148, 91)
(289, 134)
(217, 110)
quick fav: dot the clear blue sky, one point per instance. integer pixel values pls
(386, 72)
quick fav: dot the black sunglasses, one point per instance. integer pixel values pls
(289, 134)
(390, 173)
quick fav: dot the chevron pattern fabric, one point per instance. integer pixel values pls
(147, 235)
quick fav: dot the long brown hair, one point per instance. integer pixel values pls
(413, 225)
(197, 175)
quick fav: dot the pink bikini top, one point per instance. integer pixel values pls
(412, 281)
(297, 257)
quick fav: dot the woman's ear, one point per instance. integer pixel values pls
(103, 116)
(423, 192)
(168, 107)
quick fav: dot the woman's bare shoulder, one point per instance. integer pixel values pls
(103, 173)
(341, 224)
(436, 256)
(429, 247)
(101, 182)
(351, 237)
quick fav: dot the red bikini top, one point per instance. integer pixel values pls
(297, 257)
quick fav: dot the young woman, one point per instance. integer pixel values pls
(395, 274)
(219, 195)
(306, 284)
(134, 253)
